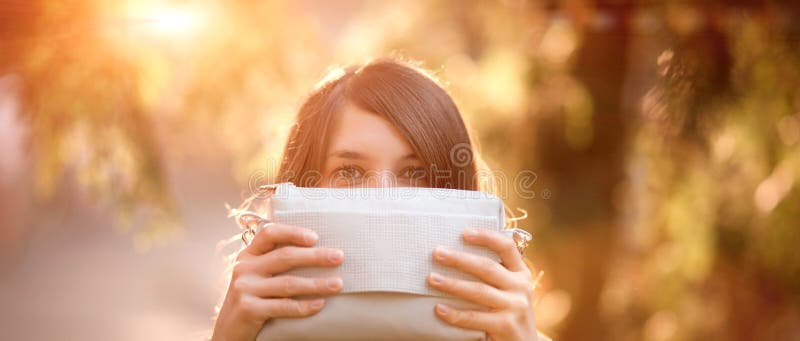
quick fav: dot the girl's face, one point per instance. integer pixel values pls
(366, 150)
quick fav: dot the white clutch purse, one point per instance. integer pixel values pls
(388, 236)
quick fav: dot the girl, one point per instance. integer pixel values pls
(384, 123)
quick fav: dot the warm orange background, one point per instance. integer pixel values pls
(665, 137)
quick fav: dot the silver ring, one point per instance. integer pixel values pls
(521, 238)
(247, 237)
(251, 223)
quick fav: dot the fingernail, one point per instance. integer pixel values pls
(436, 278)
(335, 256)
(442, 309)
(309, 237)
(442, 252)
(316, 304)
(470, 232)
(333, 283)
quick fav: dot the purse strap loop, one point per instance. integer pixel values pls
(252, 222)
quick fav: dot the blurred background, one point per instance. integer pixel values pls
(665, 137)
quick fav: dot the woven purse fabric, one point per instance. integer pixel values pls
(388, 236)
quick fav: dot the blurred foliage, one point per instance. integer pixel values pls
(675, 206)
(713, 188)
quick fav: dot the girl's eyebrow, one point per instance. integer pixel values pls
(410, 156)
(348, 154)
(354, 155)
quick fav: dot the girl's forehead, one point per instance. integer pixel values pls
(358, 131)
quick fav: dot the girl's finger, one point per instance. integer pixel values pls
(289, 286)
(471, 319)
(289, 257)
(482, 267)
(500, 243)
(275, 234)
(261, 309)
(473, 291)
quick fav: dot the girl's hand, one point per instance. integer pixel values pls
(507, 289)
(256, 293)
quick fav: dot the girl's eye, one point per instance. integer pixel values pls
(415, 173)
(348, 172)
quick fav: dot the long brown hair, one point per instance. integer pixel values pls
(410, 98)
